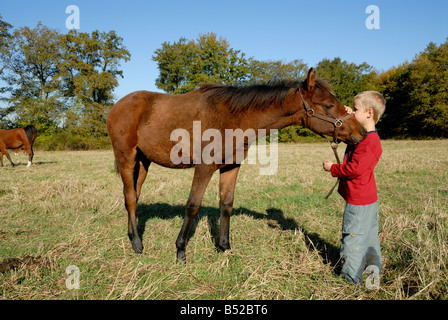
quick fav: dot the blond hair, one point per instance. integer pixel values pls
(374, 100)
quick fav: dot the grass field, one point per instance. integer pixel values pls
(67, 210)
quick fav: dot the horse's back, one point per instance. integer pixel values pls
(130, 106)
(146, 120)
(142, 105)
(12, 138)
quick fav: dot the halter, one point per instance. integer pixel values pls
(337, 122)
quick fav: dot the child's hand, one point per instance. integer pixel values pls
(327, 165)
(348, 110)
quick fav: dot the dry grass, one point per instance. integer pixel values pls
(68, 210)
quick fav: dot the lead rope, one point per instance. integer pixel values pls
(334, 147)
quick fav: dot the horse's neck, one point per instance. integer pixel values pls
(275, 117)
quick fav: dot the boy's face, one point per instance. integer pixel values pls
(364, 117)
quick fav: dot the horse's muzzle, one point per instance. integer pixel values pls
(355, 139)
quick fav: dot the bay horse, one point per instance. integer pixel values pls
(20, 138)
(141, 127)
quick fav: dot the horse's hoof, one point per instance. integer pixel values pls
(223, 247)
(181, 257)
(138, 247)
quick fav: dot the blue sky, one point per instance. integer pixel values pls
(266, 30)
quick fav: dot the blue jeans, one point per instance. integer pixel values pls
(360, 245)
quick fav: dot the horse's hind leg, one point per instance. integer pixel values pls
(29, 151)
(202, 176)
(128, 168)
(227, 181)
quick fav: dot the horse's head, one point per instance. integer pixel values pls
(326, 114)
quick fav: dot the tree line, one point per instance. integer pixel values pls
(63, 83)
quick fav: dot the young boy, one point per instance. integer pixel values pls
(360, 244)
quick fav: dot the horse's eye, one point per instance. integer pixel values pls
(329, 106)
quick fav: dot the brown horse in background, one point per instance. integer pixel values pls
(20, 138)
(141, 127)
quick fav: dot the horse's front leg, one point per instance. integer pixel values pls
(227, 181)
(5, 152)
(201, 178)
(127, 169)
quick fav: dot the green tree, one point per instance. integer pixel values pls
(5, 58)
(417, 95)
(61, 81)
(173, 61)
(275, 70)
(429, 92)
(394, 85)
(89, 74)
(5, 44)
(347, 79)
(184, 65)
(33, 76)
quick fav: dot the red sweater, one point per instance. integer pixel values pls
(357, 184)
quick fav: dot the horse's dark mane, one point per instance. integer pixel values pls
(257, 96)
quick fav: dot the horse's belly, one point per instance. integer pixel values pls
(171, 157)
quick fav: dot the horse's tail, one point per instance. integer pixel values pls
(30, 133)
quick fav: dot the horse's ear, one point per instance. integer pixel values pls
(311, 80)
